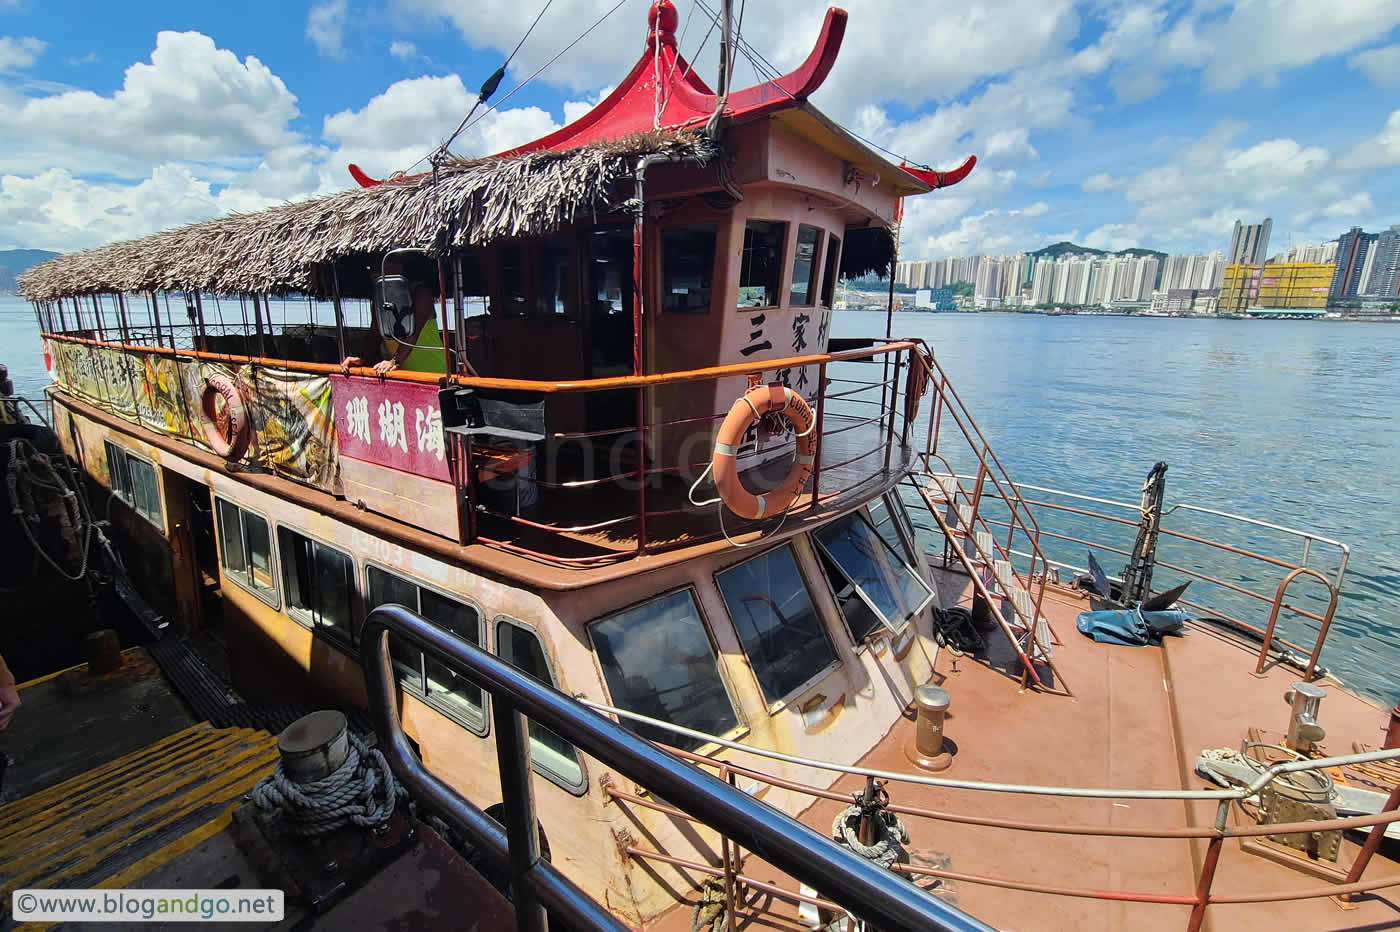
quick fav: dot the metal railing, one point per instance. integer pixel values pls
(1199, 899)
(1310, 547)
(861, 887)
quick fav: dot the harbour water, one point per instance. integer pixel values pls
(1289, 422)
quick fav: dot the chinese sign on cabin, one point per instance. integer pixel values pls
(389, 423)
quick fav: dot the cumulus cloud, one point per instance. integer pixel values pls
(325, 27)
(403, 50)
(20, 52)
(1381, 66)
(192, 101)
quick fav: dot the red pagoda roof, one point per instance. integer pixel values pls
(662, 91)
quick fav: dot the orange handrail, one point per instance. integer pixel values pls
(1273, 619)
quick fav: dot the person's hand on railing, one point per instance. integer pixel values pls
(348, 363)
(384, 367)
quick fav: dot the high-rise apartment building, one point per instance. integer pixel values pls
(1283, 286)
(1250, 243)
(1352, 249)
(1384, 279)
(1194, 273)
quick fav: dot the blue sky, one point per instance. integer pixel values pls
(1111, 123)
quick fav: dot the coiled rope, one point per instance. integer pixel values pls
(890, 836)
(362, 791)
(30, 474)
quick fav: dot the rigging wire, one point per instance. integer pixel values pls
(596, 23)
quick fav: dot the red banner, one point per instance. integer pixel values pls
(390, 423)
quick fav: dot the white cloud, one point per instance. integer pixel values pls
(1378, 152)
(325, 27)
(87, 59)
(1381, 66)
(21, 52)
(1100, 182)
(1260, 38)
(1356, 205)
(191, 102)
(403, 49)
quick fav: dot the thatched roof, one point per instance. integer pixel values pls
(277, 250)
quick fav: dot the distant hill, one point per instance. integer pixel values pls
(15, 261)
(1066, 248)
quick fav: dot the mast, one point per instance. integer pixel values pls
(726, 46)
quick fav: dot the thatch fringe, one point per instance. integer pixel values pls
(472, 202)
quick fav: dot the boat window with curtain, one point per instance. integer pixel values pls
(874, 586)
(687, 268)
(781, 632)
(444, 689)
(761, 266)
(550, 754)
(803, 291)
(245, 545)
(658, 661)
(831, 269)
(319, 581)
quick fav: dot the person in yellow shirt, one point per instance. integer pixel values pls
(422, 350)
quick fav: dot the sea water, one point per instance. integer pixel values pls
(1294, 423)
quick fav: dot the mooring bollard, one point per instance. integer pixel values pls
(930, 750)
(314, 746)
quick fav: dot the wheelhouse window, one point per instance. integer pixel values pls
(891, 521)
(687, 268)
(779, 628)
(511, 264)
(658, 661)
(134, 481)
(245, 550)
(874, 586)
(552, 756)
(831, 270)
(319, 582)
(424, 676)
(761, 268)
(803, 290)
(553, 294)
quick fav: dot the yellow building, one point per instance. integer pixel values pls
(1288, 285)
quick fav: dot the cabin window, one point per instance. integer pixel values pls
(658, 661)
(761, 267)
(687, 268)
(552, 756)
(874, 586)
(319, 582)
(772, 611)
(891, 521)
(447, 691)
(511, 263)
(552, 295)
(134, 481)
(831, 270)
(803, 290)
(245, 545)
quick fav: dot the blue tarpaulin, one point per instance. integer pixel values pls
(1129, 626)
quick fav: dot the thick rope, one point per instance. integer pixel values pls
(709, 912)
(31, 471)
(890, 836)
(362, 791)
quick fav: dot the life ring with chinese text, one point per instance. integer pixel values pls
(758, 401)
(227, 432)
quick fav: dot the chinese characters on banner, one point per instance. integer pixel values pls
(389, 423)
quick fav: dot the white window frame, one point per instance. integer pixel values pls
(307, 619)
(580, 788)
(895, 629)
(420, 690)
(272, 598)
(778, 704)
(741, 725)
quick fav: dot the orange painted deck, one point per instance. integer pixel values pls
(1138, 719)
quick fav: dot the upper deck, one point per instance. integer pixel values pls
(533, 351)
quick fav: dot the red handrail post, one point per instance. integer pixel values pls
(1373, 841)
(1273, 619)
(1207, 876)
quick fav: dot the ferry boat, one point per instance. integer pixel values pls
(578, 404)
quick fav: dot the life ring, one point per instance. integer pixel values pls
(755, 403)
(230, 441)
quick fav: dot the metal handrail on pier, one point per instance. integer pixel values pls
(859, 886)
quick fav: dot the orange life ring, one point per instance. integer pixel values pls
(230, 441)
(753, 405)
